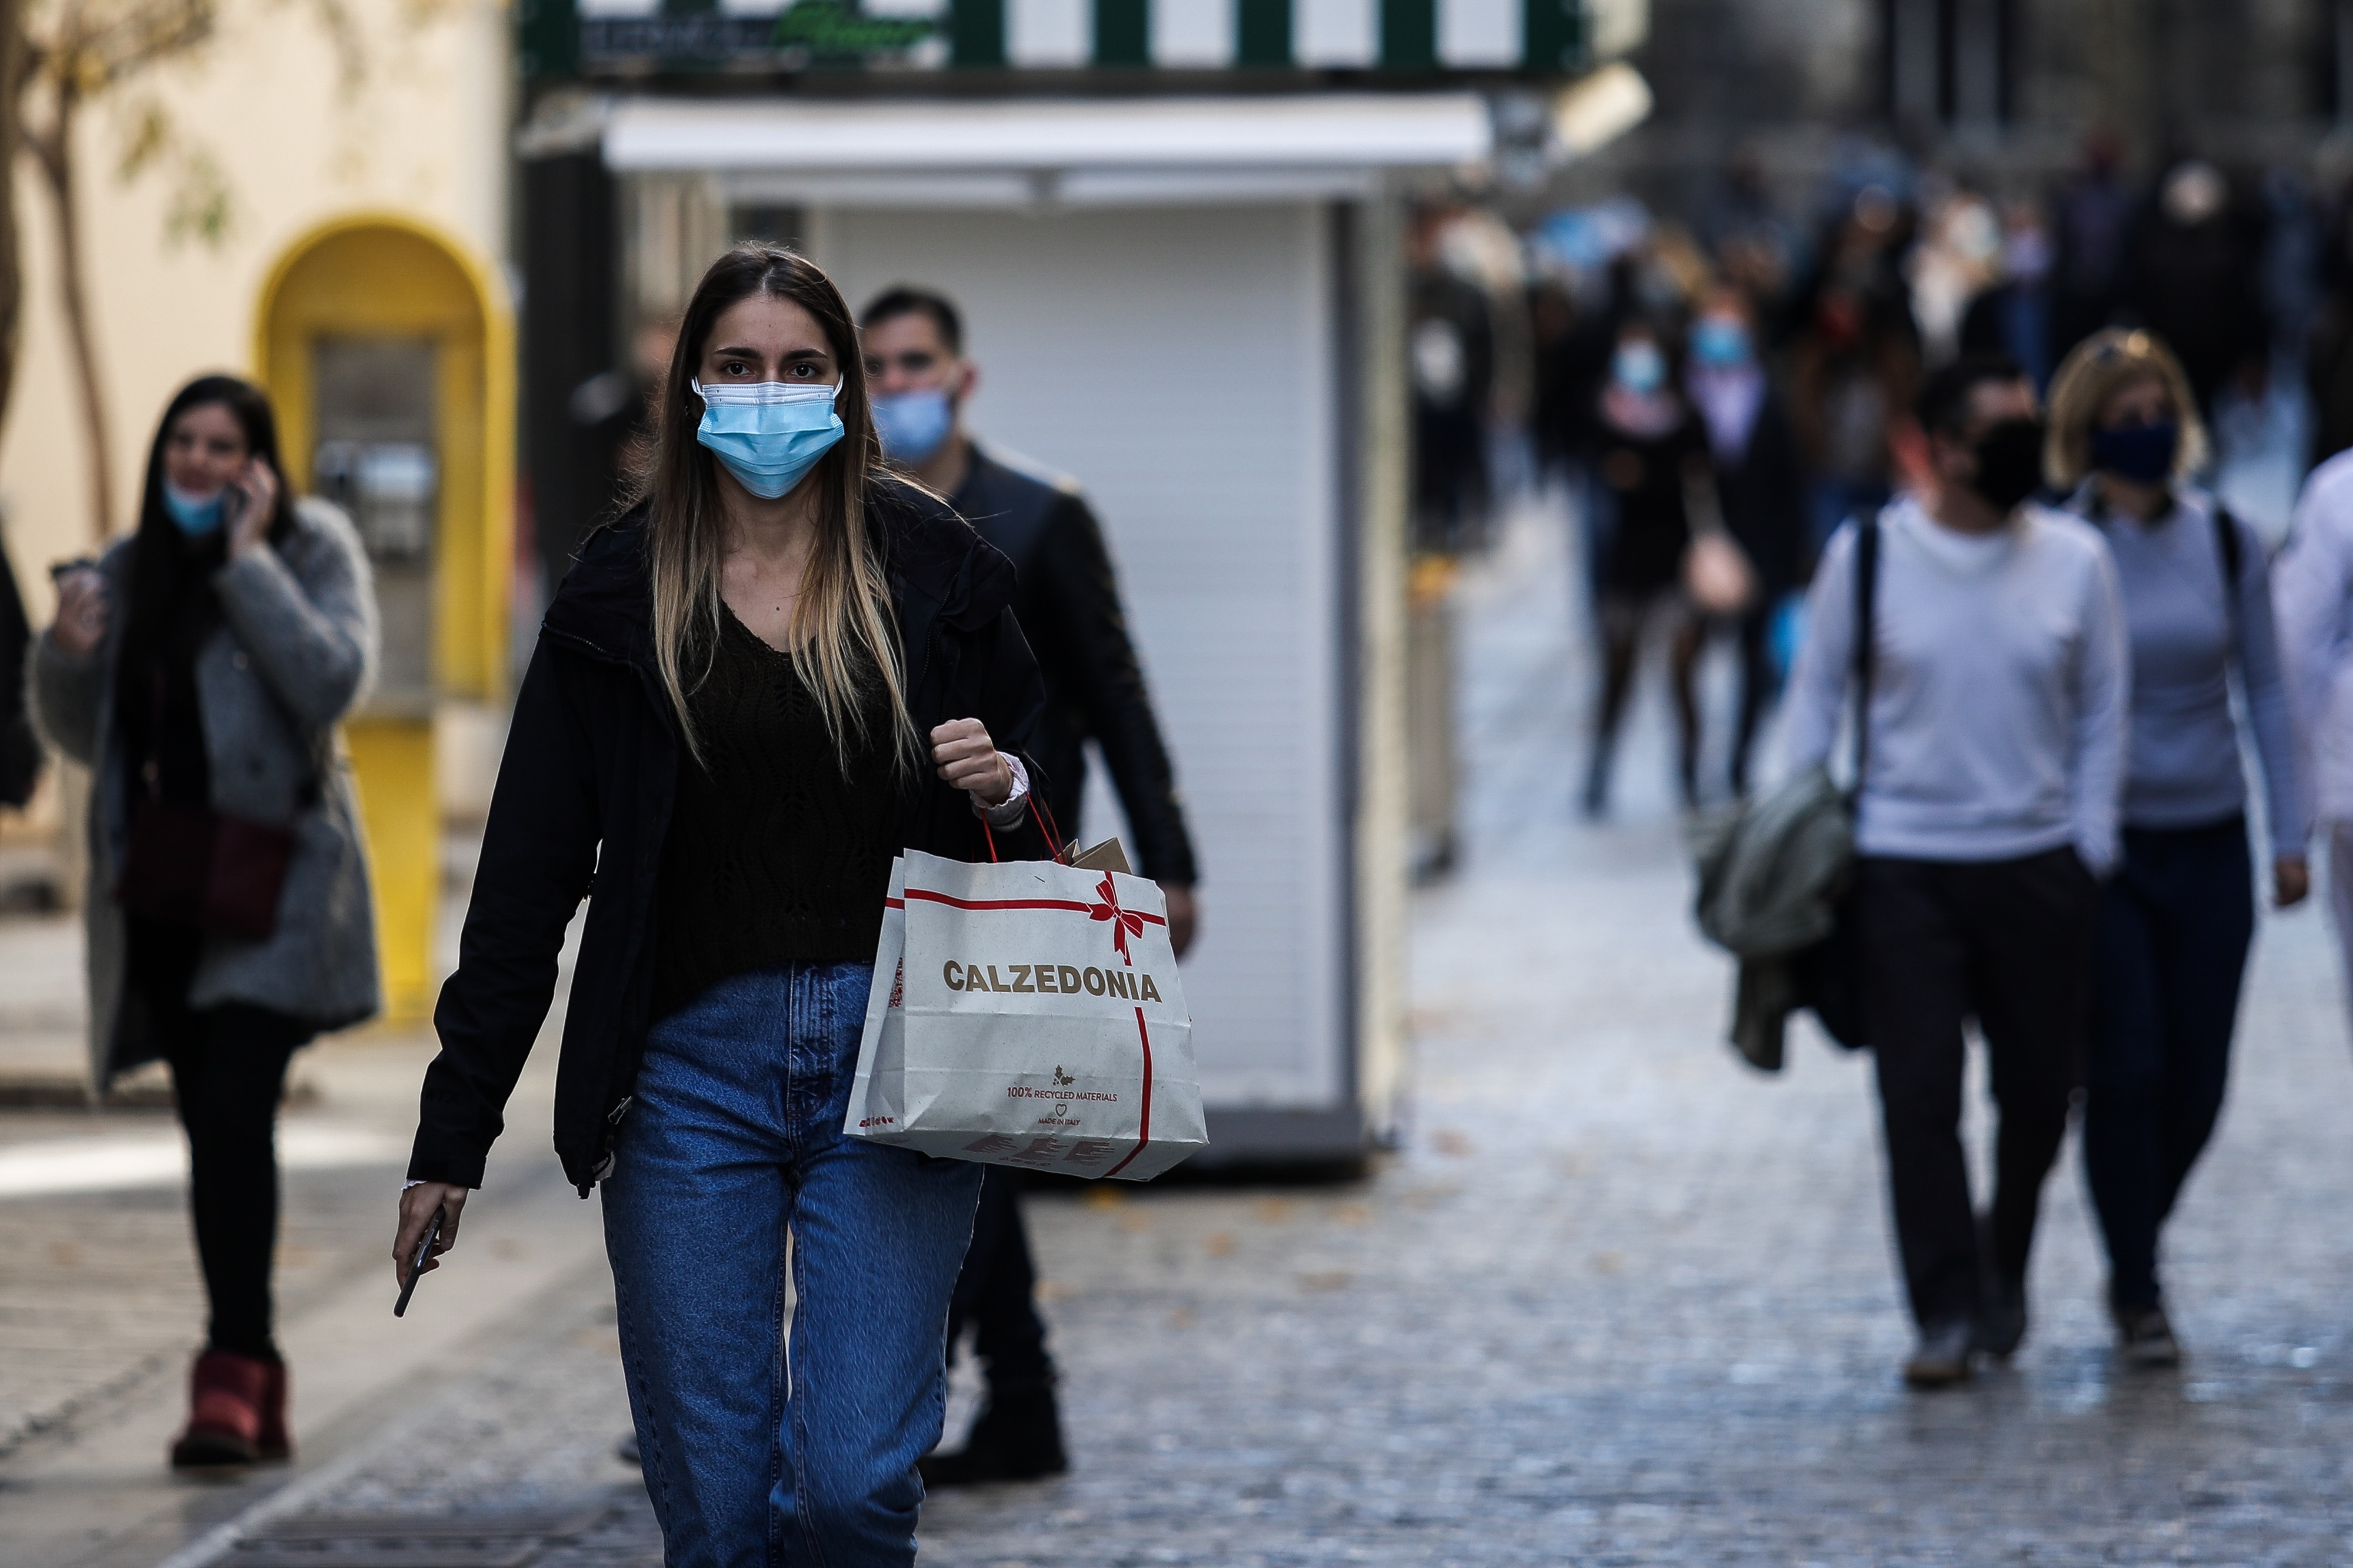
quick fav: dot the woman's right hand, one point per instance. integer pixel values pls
(416, 1206)
(81, 613)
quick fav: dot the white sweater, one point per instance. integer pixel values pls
(1999, 689)
(2312, 586)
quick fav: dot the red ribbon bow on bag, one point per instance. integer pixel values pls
(1125, 923)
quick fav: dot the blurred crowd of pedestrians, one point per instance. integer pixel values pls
(1741, 376)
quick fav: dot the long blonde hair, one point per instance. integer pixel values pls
(2099, 367)
(844, 636)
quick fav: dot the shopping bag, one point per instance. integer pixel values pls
(1027, 1014)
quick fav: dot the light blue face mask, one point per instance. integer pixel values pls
(769, 434)
(913, 425)
(195, 515)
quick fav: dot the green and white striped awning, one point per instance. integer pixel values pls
(1393, 37)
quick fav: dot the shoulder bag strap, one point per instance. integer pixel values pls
(1866, 622)
(2226, 542)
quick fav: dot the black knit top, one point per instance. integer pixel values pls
(773, 856)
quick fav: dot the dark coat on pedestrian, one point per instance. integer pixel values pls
(1643, 476)
(583, 800)
(1762, 493)
(1068, 606)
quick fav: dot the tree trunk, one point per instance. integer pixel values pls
(12, 268)
(53, 148)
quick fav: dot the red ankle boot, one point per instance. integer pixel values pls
(226, 1394)
(274, 1442)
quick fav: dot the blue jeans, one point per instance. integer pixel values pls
(735, 1135)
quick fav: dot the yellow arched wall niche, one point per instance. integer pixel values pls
(382, 273)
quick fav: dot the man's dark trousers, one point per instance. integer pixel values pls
(2007, 943)
(996, 1293)
(2175, 924)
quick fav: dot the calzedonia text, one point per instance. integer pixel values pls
(1052, 979)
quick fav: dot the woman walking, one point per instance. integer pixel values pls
(2176, 917)
(199, 670)
(1650, 448)
(779, 668)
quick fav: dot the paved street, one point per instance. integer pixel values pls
(1616, 1300)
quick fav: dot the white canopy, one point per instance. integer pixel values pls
(1071, 151)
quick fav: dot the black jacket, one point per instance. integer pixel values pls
(1070, 608)
(1763, 495)
(583, 800)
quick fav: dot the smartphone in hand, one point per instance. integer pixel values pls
(416, 1265)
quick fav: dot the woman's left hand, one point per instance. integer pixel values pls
(2291, 880)
(970, 761)
(256, 495)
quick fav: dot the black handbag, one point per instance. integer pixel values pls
(1830, 974)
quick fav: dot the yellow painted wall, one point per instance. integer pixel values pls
(391, 760)
(422, 133)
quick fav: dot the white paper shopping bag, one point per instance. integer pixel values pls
(881, 1047)
(1039, 1022)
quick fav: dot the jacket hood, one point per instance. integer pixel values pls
(940, 569)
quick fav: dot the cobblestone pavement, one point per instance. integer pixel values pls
(1616, 1300)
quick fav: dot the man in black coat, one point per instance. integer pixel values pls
(1068, 603)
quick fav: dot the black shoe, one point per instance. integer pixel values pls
(2001, 1324)
(2145, 1337)
(1017, 1437)
(1942, 1358)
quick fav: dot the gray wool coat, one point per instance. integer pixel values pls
(296, 649)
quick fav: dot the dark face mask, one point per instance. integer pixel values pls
(2009, 463)
(2143, 454)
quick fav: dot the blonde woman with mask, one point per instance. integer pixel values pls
(779, 668)
(2178, 913)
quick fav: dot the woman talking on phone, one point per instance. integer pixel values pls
(199, 670)
(777, 669)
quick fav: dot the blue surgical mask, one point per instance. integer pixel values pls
(1719, 342)
(195, 514)
(913, 425)
(1639, 367)
(769, 434)
(2141, 453)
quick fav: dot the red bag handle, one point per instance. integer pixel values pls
(1045, 824)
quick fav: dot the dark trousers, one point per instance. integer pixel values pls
(2007, 943)
(996, 1294)
(228, 1070)
(1759, 685)
(1623, 617)
(2174, 927)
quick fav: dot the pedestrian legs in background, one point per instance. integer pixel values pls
(1760, 684)
(2174, 923)
(2008, 942)
(1018, 1435)
(734, 1134)
(229, 1072)
(2339, 832)
(1622, 621)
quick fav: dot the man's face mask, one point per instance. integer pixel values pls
(2009, 463)
(769, 434)
(914, 425)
